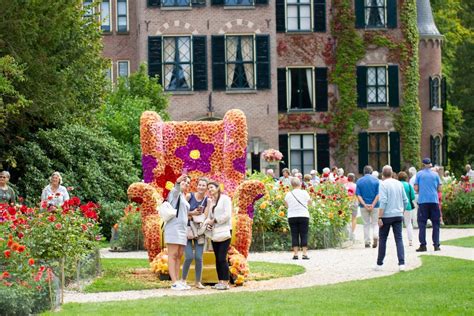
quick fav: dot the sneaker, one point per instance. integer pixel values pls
(305, 257)
(402, 268)
(222, 286)
(375, 243)
(295, 257)
(378, 268)
(177, 286)
(437, 248)
(421, 249)
(367, 245)
(185, 285)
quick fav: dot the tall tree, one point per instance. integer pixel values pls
(61, 52)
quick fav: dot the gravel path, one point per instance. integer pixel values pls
(327, 266)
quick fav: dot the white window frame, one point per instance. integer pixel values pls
(311, 22)
(387, 87)
(191, 48)
(313, 135)
(110, 16)
(92, 8)
(313, 87)
(118, 67)
(437, 77)
(440, 150)
(254, 59)
(367, 8)
(117, 16)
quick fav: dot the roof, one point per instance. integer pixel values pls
(425, 21)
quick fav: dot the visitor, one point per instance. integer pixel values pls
(307, 181)
(408, 214)
(367, 192)
(376, 174)
(294, 171)
(271, 174)
(175, 230)
(428, 184)
(340, 176)
(7, 195)
(195, 245)
(285, 178)
(297, 201)
(219, 221)
(314, 177)
(351, 188)
(54, 194)
(393, 201)
(446, 179)
(412, 174)
(333, 175)
(470, 174)
(326, 174)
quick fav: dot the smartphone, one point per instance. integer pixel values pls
(185, 170)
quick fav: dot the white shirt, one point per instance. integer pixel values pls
(55, 198)
(470, 174)
(295, 208)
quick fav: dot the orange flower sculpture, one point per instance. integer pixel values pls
(238, 266)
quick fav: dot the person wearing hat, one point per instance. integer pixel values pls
(427, 185)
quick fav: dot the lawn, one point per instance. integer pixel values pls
(440, 286)
(461, 242)
(135, 274)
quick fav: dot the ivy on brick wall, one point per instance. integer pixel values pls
(349, 50)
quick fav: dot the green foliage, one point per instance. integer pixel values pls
(458, 205)
(90, 160)
(21, 300)
(121, 113)
(63, 67)
(350, 49)
(130, 232)
(110, 214)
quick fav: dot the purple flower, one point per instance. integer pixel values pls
(195, 154)
(148, 164)
(250, 207)
(239, 164)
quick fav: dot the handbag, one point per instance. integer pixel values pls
(220, 233)
(167, 211)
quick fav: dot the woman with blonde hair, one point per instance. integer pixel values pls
(54, 194)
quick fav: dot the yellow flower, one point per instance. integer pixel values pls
(195, 154)
(233, 270)
(169, 185)
(330, 215)
(281, 214)
(263, 205)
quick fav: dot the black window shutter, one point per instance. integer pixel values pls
(263, 61)
(431, 93)
(319, 7)
(261, 1)
(154, 3)
(321, 75)
(432, 148)
(281, 79)
(218, 62)
(444, 93)
(154, 57)
(392, 14)
(217, 2)
(322, 147)
(363, 151)
(280, 16)
(393, 97)
(359, 14)
(445, 150)
(395, 151)
(283, 147)
(199, 63)
(362, 86)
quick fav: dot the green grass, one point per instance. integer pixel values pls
(461, 242)
(458, 226)
(440, 286)
(135, 274)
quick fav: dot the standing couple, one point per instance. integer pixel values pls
(217, 210)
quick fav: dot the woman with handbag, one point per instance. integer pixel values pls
(175, 230)
(297, 201)
(219, 222)
(408, 213)
(195, 246)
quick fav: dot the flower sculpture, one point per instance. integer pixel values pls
(195, 154)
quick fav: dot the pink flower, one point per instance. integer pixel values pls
(58, 226)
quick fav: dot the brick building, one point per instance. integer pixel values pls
(269, 59)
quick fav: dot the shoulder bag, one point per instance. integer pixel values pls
(167, 211)
(305, 206)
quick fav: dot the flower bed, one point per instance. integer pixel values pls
(458, 202)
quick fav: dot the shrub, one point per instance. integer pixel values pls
(130, 232)
(458, 204)
(21, 300)
(110, 214)
(89, 159)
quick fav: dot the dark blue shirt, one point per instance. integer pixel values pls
(368, 189)
(194, 203)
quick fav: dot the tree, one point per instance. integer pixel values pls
(63, 68)
(124, 106)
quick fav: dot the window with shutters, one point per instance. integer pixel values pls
(302, 152)
(300, 91)
(177, 63)
(435, 92)
(123, 68)
(378, 150)
(122, 16)
(375, 13)
(175, 3)
(436, 150)
(105, 12)
(377, 86)
(298, 15)
(237, 3)
(240, 62)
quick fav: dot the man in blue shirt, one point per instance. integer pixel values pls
(367, 192)
(427, 185)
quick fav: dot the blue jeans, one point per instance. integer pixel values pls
(396, 224)
(189, 255)
(428, 211)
